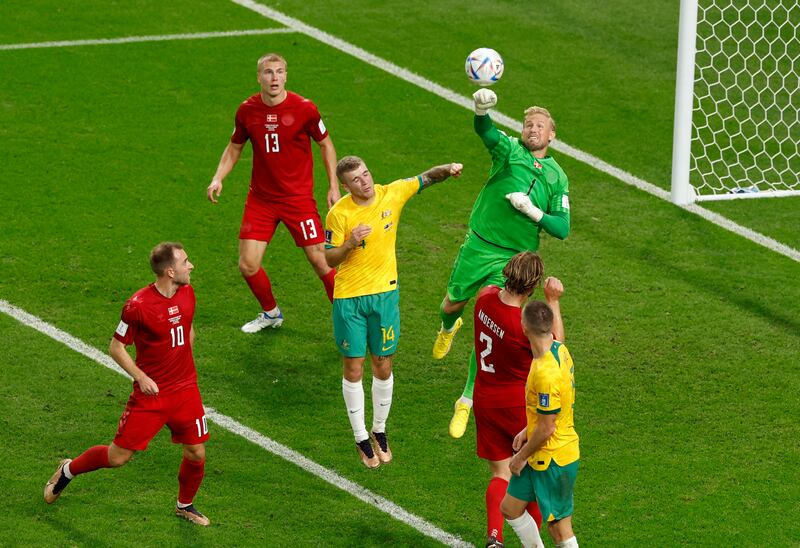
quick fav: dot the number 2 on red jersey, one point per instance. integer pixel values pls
(484, 338)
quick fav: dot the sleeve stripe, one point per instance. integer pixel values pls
(550, 412)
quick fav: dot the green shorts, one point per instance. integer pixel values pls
(552, 489)
(477, 264)
(369, 319)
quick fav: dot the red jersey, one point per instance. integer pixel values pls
(502, 351)
(280, 136)
(160, 328)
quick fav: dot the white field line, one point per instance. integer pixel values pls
(513, 124)
(361, 493)
(133, 39)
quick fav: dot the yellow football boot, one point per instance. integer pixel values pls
(444, 340)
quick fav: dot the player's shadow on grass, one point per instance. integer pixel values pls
(75, 536)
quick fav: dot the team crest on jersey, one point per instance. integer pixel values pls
(544, 400)
(287, 119)
(172, 310)
(537, 165)
(386, 213)
(272, 118)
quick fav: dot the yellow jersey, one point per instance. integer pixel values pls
(551, 389)
(371, 267)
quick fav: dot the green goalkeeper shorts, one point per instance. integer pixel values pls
(477, 264)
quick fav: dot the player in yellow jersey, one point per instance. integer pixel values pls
(360, 236)
(546, 464)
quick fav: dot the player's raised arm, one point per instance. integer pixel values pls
(553, 289)
(229, 158)
(484, 100)
(440, 173)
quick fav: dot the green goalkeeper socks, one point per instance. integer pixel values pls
(448, 320)
(473, 370)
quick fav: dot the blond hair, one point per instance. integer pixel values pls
(271, 58)
(346, 165)
(530, 111)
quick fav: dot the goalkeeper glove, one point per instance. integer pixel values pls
(484, 100)
(523, 204)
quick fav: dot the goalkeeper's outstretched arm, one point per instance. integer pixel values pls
(485, 99)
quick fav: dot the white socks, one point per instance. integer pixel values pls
(571, 542)
(66, 471)
(525, 528)
(353, 393)
(381, 402)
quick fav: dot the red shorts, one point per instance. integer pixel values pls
(261, 218)
(496, 428)
(144, 416)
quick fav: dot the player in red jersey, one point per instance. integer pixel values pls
(504, 359)
(280, 125)
(158, 320)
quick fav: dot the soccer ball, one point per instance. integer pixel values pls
(484, 66)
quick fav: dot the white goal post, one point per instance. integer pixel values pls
(737, 100)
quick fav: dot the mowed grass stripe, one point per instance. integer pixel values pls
(515, 125)
(151, 38)
(249, 434)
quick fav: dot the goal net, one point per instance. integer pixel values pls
(737, 109)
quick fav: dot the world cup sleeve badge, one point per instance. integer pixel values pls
(544, 400)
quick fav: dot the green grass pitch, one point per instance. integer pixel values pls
(685, 337)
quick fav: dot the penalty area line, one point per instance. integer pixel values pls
(232, 425)
(153, 38)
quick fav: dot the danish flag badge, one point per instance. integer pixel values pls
(172, 310)
(272, 118)
(537, 165)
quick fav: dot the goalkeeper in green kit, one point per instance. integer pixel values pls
(527, 192)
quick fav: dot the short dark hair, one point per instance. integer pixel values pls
(347, 164)
(163, 256)
(538, 318)
(523, 273)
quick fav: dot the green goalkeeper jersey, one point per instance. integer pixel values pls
(515, 169)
